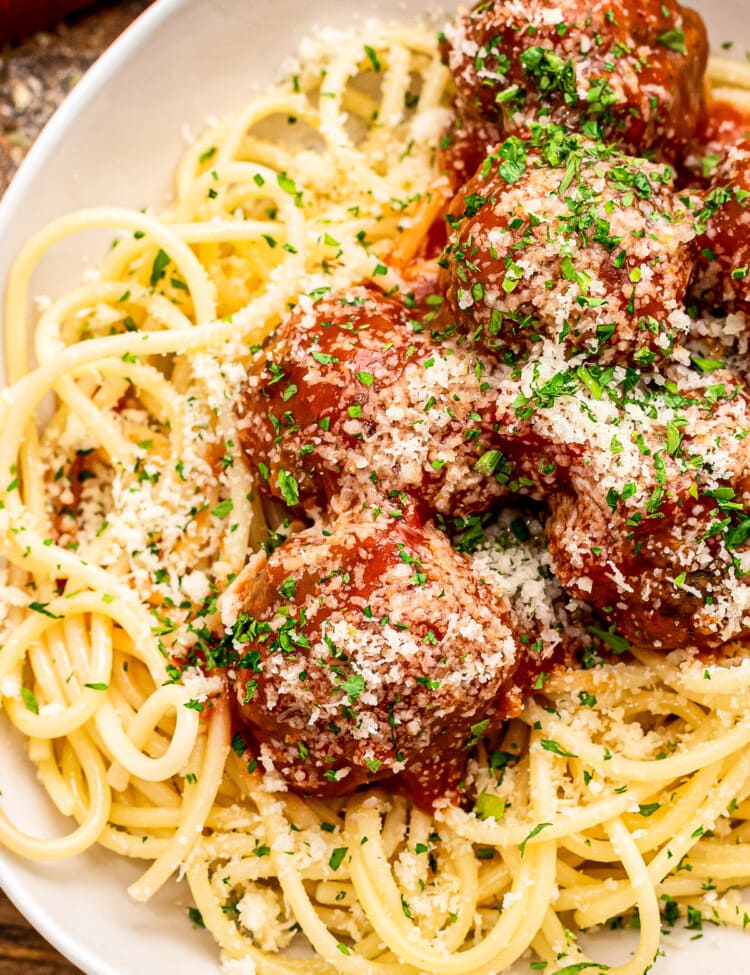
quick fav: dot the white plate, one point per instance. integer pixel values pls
(116, 140)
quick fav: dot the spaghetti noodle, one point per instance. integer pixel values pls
(620, 795)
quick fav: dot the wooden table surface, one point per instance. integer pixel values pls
(23, 951)
(35, 76)
(38, 72)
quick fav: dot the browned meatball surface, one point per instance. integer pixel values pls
(617, 70)
(570, 241)
(371, 648)
(722, 279)
(650, 524)
(724, 124)
(352, 400)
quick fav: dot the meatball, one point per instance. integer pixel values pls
(370, 648)
(722, 276)
(352, 401)
(617, 70)
(656, 536)
(724, 125)
(569, 240)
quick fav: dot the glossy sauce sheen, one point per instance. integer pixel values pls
(558, 352)
(613, 69)
(389, 646)
(359, 400)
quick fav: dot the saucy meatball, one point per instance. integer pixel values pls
(724, 125)
(722, 278)
(617, 70)
(569, 240)
(352, 400)
(370, 648)
(655, 535)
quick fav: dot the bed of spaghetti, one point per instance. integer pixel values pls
(621, 796)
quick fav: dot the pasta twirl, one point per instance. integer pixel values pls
(620, 795)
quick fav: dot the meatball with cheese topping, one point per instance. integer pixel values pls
(617, 70)
(370, 648)
(568, 240)
(651, 526)
(722, 278)
(352, 400)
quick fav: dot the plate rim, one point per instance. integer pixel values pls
(107, 64)
(153, 19)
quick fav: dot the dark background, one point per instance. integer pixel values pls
(37, 72)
